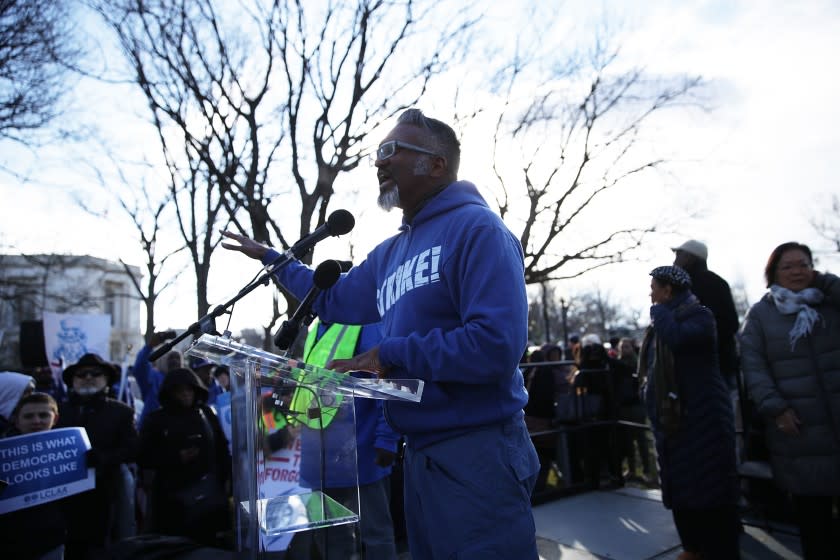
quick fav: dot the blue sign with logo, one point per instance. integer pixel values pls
(43, 466)
(222, 408)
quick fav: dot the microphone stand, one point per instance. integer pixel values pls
(338, 223)
(207, 324)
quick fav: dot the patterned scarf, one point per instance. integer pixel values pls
(668, 406)
(789, 302)
(664, 380)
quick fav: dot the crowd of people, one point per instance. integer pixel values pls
(684, 383)
(447, 296)
(588, 394)
(144, 458)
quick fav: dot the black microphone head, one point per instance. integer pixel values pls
(326, 274)
(340, 222)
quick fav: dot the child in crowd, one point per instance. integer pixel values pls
(36, 532)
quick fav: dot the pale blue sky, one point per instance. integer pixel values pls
(759, 165)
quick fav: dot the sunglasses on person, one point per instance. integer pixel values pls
(388, 149)
(89, 373)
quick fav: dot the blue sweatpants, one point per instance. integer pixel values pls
(469, 497)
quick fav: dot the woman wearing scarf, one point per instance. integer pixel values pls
(791, 362)
(692, 419)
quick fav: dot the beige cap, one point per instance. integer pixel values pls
(694, 247)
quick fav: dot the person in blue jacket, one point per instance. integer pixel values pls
(148, 377)
(449, 290)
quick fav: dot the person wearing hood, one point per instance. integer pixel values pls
(449, 290)
(13, 387)
(691, 414)
(205, 370)
(113, 438)
(182, 446)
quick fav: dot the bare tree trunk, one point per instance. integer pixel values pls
(297, 83)
(545, 304)
(559, 153)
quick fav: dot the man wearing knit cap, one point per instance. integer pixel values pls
(713, 292)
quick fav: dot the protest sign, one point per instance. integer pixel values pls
(43, 466)
(68, 337)
(278, 475)
(223, 413)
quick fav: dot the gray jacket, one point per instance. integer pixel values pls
(806, 379)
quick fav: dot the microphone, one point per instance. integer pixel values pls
(326, 274)
(338, 223)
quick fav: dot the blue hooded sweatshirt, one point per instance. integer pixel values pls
(449, 290)
(150, 379)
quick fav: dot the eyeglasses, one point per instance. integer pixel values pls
(89, 373)
(388, 149)
(789, 267)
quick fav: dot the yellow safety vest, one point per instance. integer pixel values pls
(338, 343)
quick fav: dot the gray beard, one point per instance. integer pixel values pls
(389, 199)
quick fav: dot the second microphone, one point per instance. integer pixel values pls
(325, 276)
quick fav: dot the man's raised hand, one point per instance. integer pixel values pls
(245, 245)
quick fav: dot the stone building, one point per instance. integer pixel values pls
(33, 284)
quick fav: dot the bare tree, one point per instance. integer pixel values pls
(37, 50)
(596, 312)
(827, 223)
(207, 73)
(591, 311)
(147, 221)
(741, 298)
(335, 62)
(145, 207)
(580, 138)
(204, 91)
(545, 321)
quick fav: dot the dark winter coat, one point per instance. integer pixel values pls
(31, 532)
(539, 381)
(598, 376)
(697, 461)
(110, 427)
(714, 292)
(806, 379)
(164, 434)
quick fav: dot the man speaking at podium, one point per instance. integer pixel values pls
(449, 290)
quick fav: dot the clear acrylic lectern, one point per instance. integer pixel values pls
(275, 402)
